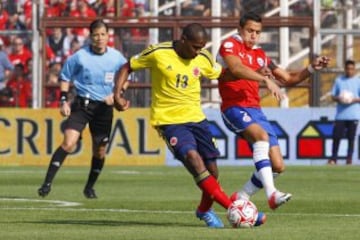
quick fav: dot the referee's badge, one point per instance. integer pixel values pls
(173, 141)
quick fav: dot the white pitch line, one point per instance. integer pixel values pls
(56, 202)
(111, 210)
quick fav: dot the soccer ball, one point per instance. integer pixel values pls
(346, 97)
(242, 214)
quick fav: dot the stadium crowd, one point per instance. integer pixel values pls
(15, 37)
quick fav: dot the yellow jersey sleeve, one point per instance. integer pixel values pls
(210, 68)
(143, 60)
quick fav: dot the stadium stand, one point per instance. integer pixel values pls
(60, 42)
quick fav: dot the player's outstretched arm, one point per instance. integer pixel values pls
(121, 84)
(289, 78)
(237, 70)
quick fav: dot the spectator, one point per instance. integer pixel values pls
(195, 8)
(167, 12)
(56, 42)
(100, 7)
(52, 89)
(271, 4)
(140, 33)
(5, 96)
(128, 8)
(20, 87)
(5, 66)
(74, 46)
(27, 13)
(14, 23)
(4, 16)
(55, 8)
(230, 8)
(257, 6)
(302, 8)
(50, 55)
(19, 53)
(83, 10)
(328, 16)
(346, 93)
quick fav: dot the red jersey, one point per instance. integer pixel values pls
(22, 92)
(22, 58)
(4, 17)
(243, 92)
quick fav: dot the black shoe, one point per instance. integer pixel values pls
(89, 193)
(44, 190)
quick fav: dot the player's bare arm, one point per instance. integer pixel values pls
(291, 78)
(237, 70)
(121, 84)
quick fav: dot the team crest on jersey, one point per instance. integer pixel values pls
(260, 61)
(196, 71)
(173, 141)
(228, 45)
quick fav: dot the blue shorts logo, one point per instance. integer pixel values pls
(246, 117)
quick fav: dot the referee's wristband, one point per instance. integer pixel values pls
(310, 69)
(63, 96)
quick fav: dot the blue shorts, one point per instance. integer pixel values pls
(237, 119)
(181, 138)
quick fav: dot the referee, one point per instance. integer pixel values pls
(91, 70)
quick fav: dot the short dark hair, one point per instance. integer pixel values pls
(249, 16)
(349, 62)
(192, 30)
(98, 23)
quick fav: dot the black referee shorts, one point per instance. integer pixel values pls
(97, 114)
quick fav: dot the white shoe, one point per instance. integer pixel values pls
(278, 198)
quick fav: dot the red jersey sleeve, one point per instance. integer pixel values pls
(229, 47)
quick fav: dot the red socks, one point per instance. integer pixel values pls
(212, 192)
(205, 203)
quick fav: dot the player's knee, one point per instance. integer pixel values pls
(259, 135)
(68, 146)
(263, 136)
(194, 162)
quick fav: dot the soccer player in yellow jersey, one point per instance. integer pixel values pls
(176, 69)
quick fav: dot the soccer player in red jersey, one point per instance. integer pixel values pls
(241, 110)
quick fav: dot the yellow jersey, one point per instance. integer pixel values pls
(175, 82)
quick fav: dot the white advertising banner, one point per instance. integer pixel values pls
(305, 137)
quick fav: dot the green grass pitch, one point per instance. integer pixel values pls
(159, 203)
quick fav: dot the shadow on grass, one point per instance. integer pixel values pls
(114, 223)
